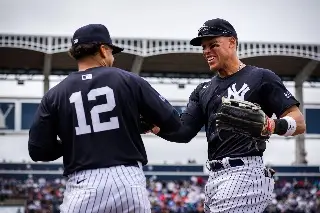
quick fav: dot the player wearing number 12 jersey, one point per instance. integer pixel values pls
(96, 114)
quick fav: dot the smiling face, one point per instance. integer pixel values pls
(218, 51)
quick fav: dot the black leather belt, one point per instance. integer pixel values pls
(217, 165)
(135, 164)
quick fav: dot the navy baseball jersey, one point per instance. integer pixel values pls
(251, 84)
(96, 115)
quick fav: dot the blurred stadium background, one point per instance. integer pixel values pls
(30, 64)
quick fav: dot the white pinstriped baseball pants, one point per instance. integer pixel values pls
(244, 189)
(116, 189)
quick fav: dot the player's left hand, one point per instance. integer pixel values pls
(244, 118)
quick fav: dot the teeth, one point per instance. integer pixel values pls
(210, 58)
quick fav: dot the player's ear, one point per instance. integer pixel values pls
(103, 51)
(232, 42)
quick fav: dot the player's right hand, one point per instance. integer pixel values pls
(155, 130)
(145, 126)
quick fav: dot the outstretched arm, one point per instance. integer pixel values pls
(192, 120)
(154, 108)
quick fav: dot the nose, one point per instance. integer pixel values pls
(206, 50)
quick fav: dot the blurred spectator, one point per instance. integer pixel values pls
(44, 196)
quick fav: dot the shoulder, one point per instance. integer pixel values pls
(112, 71)
(135, 79)
(268, 75)
(48, 99)
(127, 75)
(196, 92)
(264, 72)
(120, 75)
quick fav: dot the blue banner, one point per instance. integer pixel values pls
(312, 121)
(28, 111)
(7, 115)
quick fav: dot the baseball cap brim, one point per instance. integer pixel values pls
(198, 40)
(115, 49)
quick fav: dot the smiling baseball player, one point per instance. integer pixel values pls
(236, 108)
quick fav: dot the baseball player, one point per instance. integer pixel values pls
(235, 107)
(96, 114)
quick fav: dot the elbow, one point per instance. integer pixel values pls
(32, 153)
(175, 137)
(301, 128)
(37, 154)
(185, 140)
(34, 157)
(299, 120)
(182, 139)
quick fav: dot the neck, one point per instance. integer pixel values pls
(89, 63)
(230, 68)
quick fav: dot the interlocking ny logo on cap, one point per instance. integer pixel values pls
(75, 41)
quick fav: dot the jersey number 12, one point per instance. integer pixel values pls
(97, 126)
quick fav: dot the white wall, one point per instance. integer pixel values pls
(279, 151)
(34, 89)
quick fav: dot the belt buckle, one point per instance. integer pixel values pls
(272, 172)
(269, 172)
(213, 164)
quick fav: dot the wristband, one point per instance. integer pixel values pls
(285, 126)
(292, 125)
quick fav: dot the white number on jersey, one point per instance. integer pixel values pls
(97, 126)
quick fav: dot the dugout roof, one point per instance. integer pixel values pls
(25, 54)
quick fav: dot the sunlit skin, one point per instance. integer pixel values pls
(221, 55)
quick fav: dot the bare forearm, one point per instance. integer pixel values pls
(300, 122)
(291, 123)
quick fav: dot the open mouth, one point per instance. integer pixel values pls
(210, 59)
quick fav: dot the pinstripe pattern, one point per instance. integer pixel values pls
(116, 189)
(239, 189)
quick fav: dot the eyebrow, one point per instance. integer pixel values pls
(210, 43)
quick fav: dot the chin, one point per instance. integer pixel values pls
(213, 67)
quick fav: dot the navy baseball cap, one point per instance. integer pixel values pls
(214, 28)
(93, 33)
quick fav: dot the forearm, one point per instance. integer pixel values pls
(38, 153)
(300, 122)
(183, 135)
(190, 125)
(294, 120)
(171, 124)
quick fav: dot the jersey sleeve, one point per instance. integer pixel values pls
(155, 108)
(43, 144)
(192, 119)
(275, 96)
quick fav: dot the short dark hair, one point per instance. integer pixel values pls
(84, 50)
